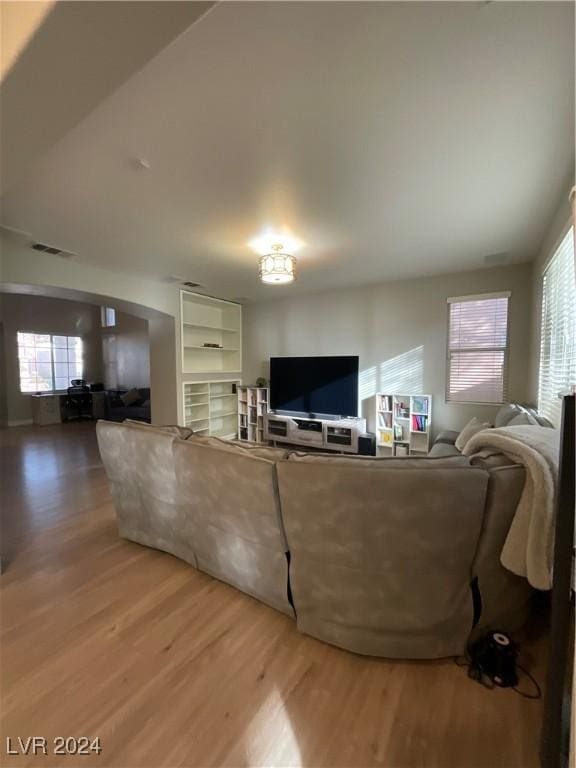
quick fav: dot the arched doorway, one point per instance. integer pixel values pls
(139, 352)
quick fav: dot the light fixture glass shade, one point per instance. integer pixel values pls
(277, 268)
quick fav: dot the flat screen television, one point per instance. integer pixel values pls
(315, 385)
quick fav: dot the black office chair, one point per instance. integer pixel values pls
(79, 401)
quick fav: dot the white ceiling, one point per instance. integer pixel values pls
(58, 60)
(392, 139)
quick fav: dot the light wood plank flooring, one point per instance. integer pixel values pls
(102, 637)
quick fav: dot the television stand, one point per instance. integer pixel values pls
(310, 416)
(328, 433)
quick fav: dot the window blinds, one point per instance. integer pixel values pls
(558, 330)
(478, 349)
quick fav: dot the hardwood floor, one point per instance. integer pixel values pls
(168, 667)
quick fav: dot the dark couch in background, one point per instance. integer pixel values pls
(118, 410)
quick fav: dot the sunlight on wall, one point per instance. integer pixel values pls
(368, 383)
(403, 374)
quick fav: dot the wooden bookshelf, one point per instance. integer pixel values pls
(401, 423)
(252, 406)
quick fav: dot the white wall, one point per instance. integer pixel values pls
(126, 353)
(164, 371)
(398, 330)
(41, 314)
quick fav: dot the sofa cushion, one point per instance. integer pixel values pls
(472, 428)
(385, 462)
(380, 560)
(443, 450)
(239, 447)
(448, 436)
(506, 414)
(521, 419)
(230, 498)
(140, 468)
(131, 397)
(542, 420)
(488, 460)
(171, 429)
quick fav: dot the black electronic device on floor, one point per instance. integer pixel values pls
(494, 656)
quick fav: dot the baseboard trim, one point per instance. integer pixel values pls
(20, 423)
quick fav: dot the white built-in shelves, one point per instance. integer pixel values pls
(252, 405)
(213, 322)
(210, 407)
(402, 423)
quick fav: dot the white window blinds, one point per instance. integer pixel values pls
(558, 330)
(478, 349)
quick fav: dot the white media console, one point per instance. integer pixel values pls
(328, 434)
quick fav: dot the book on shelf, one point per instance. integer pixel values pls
(385, 420)
(419, 423)
(402, 409)
(385, 403)
(386, 438)
(420, 405)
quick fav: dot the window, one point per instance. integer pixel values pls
(47, 362)
(108, 317)
(478, 349)
(558, 331)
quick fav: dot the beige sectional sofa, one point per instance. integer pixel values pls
(388, 557)
(231, 499)
(509, 415)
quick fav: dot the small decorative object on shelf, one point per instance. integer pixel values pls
(252, 405)
(401, 423)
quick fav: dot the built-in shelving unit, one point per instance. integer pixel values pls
(211, 407)
(252, 405)
(402, 424)
(213, 322)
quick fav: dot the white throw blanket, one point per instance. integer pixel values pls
(529, 546)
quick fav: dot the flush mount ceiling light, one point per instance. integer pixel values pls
(277, 268)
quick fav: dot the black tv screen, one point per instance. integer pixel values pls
(315, 385)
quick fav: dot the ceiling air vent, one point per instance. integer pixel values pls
(43, 248)
(182, 281)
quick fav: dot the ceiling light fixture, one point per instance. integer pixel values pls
(277, 268)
